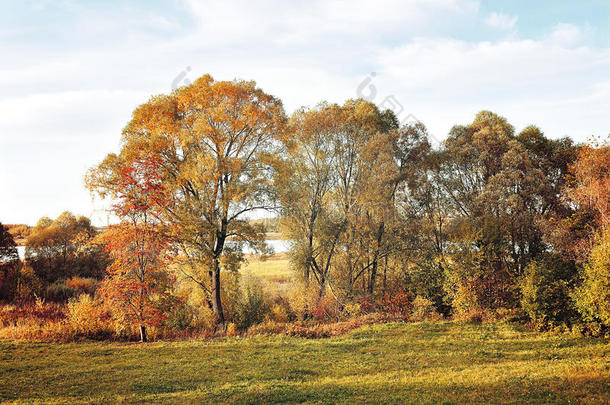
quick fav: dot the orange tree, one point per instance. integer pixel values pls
(137, 285)
(213, 141)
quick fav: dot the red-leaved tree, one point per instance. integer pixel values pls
(138, 285)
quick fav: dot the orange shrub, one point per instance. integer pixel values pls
(34, 321)
(82, 285)
(397, 304)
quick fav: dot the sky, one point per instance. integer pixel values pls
(71, 72)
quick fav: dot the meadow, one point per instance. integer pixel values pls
(438, 362)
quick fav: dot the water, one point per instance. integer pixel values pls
(278, 246)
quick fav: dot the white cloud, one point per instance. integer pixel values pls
(284, 22)
(64, 108)
(567, 35)
(501, 21)
(561, 88)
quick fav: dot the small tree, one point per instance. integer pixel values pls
(593, 296)
(545, 291)
(9, 264)
(137, 284)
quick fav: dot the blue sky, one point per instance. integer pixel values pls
(71, 72)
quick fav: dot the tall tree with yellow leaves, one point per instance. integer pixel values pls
(213, 140)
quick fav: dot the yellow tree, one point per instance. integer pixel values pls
(334, 189)
(214, 140)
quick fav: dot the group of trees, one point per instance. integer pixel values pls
(491, 220)
(55, 251)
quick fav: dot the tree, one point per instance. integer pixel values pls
(334, 187)
(61, 248)
(138, 284)
(303, 180)
(9, 264)
(590, 182)
(498, 197)
(213, 141)
(590, 190)
(593, 296)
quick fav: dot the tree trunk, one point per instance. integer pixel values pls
(143, 337)
(373, 276)
(322, 285)
(216, 302)
(375, 259)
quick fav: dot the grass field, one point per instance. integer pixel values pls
(274, 272)
(393, 363)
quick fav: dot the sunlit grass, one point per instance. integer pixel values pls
(395, 363)
(274, 269)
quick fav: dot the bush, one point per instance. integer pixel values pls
(397, 304)
(231, 330)
(35, 321)
(367, 305)
(352, 309)
(593, 296)
(424, 310)
(307, 329)
(302, 299)
(472, 316)
(326, 307)
(59, 292)
(28, 284)
(180, 317)
(545, 292)
(89, 318)
(252, 308)
(82, 285)
(278, 313)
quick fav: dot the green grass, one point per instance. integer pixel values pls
(393, 363)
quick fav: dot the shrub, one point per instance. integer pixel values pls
(545, 292)
(34, 321)
(352, 309)
(593, 296)
(326, 307)
(367, 305)
(89, 318)
(180, 317)
(231, 330)
(424, 310)
(82, 285)
(59, 292)
(397, 304)
(278, 313)
(28, 284)
(308, 329)
(252, 308)
(268, 327)
(302, 299)
(473, 315)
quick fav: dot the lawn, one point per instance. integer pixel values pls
(440, 362)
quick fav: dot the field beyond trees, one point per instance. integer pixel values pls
(441, 362)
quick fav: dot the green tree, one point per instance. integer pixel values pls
(593, 296)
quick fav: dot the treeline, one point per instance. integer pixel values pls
(62, 259)
(493, 223)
